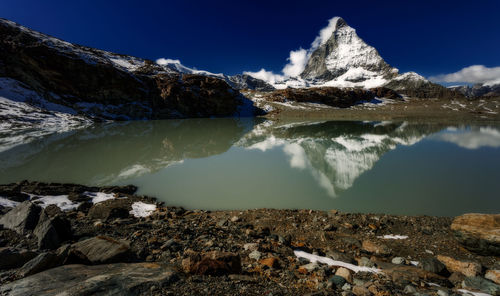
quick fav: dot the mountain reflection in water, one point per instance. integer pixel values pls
(249, 163)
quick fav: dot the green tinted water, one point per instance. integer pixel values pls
(385, 167)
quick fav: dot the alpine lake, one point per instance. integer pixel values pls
(371, 167)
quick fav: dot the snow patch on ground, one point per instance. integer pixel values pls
(99, 196)
(140, 209)
(7, 203)
(331, 262)
(25, 115)
(467, 292)
(61, 201)
(392, 236)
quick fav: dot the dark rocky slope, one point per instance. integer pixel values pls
(107, 85)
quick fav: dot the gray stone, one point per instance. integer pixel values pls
(107, 279)
(251, 246)
(50, 232)
(101, 249)
(441, 292)
(40, 263)
(481, 284)
(12, 258)
(255, 255)
(340, 256)
(310, 266)
(433, 265)
(22, 218)
(336, 281)
(364, 261)
(409, 289)
(398, 260)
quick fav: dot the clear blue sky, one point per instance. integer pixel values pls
(429, 37)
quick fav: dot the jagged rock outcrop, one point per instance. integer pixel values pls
(413, 85)
(332, 96)
(105, 85)
(478, 90)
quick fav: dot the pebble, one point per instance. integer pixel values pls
(364, 261)
(251, 247)
(255, 255)
(336, 281)
(310, 267)
(345, 273)
(409, 289)
(398, 260)
(442, 293)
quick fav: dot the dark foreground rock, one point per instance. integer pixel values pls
(110, 279)
(22, 218)
(250, 252)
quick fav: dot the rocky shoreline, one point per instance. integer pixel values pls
(107, 240)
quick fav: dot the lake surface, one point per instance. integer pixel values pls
(381, 167)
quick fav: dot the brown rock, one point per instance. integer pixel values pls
(375, 248)
(403, 275)
(478, 232)
(467, 268)
(211, 263)
(493, 275)
(361, 291)
(345, 273)
(270, 262)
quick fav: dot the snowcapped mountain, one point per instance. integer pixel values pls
(478, 90)
(239, 81)
(338, 57)
(345, 54)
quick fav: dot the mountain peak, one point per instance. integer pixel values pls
(339, 49)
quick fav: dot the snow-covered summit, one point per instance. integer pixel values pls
(341, 52)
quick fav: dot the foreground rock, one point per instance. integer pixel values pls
(249, 252)
(212, 263)
(109, 279)
(478, 232)
(22, 218)
(101, 249)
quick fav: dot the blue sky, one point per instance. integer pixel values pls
(429, 37)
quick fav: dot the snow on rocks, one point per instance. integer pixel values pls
(61, 201)
(330, 262)
(8, 203)
(140, 209)
(392, 236)
(99, 196)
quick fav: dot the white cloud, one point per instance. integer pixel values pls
(325, 33)
(472, 139)
(298, 59)
(297, 62)
(472, 74)
(163, 61)
(267, 76)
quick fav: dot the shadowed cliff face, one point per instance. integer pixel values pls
(107, 85)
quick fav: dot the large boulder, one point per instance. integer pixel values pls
(111, 209)
(479, 233)
(40, 263)
(22, 218)
(107, 279)
(101, 249)
(51, 231)
(467, 268)
(12, 258)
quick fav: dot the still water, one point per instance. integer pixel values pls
(381, 167)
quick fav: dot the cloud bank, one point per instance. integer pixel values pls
(297, 60)
(471, 74)
(163, 61)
